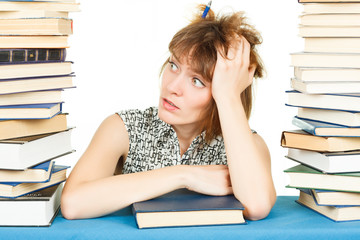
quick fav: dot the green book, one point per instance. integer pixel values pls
(302, 176)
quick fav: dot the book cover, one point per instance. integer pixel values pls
(325, 129)
(38, 173)
(30, 111)
(335, 213)
(31, 55)
(302, 176)
(33, 210)
(14, 190)
(335, 162)
(186, 208)
(302, 140)
(22, 153)
(343, 101)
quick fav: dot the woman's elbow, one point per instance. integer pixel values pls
(259, 209)
(68, 206)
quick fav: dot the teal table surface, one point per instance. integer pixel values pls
(287, 220)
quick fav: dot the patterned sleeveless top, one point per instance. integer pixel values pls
(153, 144)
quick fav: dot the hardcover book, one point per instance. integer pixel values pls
(322, 87)
(32, 97)
(316, 59)
(329, 31)
(332, 45)
(348, 19)
(340, 101)
(36, 26)
(335, 213)
(36, 5)
(335, 162)
(29, 127)
(345, 118)
(15, 71)
(186, 208)
(30, 55)
(335, 198)
(30, 111)
(14, 190)
(46, 41)
(327, 7)
(25, 152)
(305, 177)
(31, 84)
(325, 129)
(302, 140)
(38, 173)
(325, 74)
(32, 210)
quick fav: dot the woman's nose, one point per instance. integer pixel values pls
(176, 85)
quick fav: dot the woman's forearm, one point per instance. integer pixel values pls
(106, 195)
(248, 160)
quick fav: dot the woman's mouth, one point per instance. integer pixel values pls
(168, 105)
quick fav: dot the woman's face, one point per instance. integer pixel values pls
(184, 94)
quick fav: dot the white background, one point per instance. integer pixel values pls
(119, 46)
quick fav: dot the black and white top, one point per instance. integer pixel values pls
(153, 144)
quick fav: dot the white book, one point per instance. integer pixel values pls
(346, 118)
(345, 19)
(22, 153)
(331, 7)
(36, 97)
(334, 162)
(346, 102)
(34, 209)
(326, 74)
(318, 59)
(332, 45)
(329, 31)
(325, 87)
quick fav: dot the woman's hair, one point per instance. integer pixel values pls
(198, 44)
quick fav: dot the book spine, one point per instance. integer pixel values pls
(20, 56)
(304, 126)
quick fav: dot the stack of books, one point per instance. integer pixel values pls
(33, 128)
(326, 93)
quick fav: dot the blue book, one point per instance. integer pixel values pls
(30, 111)
(186, 208)
(38, 173)
(15, 189)
(335, 213)
(322, 129)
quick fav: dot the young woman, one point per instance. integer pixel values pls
(197, 138)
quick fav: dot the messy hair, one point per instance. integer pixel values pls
(199, 42)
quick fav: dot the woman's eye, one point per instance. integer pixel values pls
(198, 83)
(173, 66)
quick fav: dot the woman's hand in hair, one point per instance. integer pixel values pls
(233, 73)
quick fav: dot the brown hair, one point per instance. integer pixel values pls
(199, 43)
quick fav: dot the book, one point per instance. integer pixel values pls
(302, 176)
(346, 19)
(334, 162)
(314, 59)
(18, 85)
(327, 7)
(332, 45)
(28, 127)
(36, 26)
(33, 41)
(38, 173)
(335, 213)
(329, 31)
(326, 74)
(325, 129)
(22, 153)
(346, 118)
(326, 197)
(32, 55)
(325, 87)
(15, 71)
(32, 210)
(186, 208)
(343, 101)
(33, 97)
(14, 190)
(36, 5)
(30, 111)
(302, 140)
(32, 14)
(327, 1)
